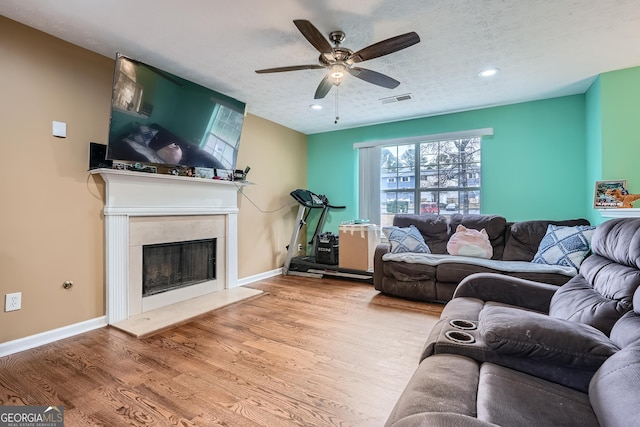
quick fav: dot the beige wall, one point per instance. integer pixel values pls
(51, 226)
(277, 157)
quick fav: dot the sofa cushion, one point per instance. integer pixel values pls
(407, 239)
(409, 272)
(434, 229)
(421, 290)
(627, 329)
(507, 397)
(515, 332)
(455, 272)
(434, 388)
(522, 239)
(604, 289)
(563, 245)
(614, 390)
(599, 295)
(619, 241)
(440, 419)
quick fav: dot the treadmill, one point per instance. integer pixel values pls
(307, 265)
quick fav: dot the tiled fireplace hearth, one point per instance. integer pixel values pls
(147, 209)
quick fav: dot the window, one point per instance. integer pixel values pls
(449, 172)
(421, 175)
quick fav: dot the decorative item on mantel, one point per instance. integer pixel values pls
(623, 196)
(613, 194)
(614, 201)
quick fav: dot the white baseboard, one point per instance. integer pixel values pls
(47, 337)
(261, 276)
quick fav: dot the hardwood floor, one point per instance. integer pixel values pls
(310, 352)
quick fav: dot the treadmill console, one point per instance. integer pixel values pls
(309, 199)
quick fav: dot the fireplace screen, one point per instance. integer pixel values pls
(170, 266)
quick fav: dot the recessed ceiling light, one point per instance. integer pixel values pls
(315, 106)
(488, 72)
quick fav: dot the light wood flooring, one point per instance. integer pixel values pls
(309, 352)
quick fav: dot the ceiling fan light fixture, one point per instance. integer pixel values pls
(337, 71)
(488, 72)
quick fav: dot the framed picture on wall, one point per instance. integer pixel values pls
(606, 191)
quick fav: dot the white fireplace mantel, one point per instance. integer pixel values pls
(141, 193)
(130, 194)
(620, 213)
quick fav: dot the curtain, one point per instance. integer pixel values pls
(369, 183)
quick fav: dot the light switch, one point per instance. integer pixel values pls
(60, 129)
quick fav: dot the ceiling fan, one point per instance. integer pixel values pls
(339, 60)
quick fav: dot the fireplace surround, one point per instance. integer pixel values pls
(143, 208)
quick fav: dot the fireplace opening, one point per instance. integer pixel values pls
(169, 266)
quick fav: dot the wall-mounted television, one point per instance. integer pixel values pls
(160, 118)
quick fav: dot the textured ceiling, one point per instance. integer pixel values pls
(543, 48)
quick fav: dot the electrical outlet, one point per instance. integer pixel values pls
(13, 301)
(299, 247)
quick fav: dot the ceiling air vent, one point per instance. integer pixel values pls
(397, 98)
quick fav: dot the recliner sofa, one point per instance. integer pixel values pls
(526, 353)
(514, 246)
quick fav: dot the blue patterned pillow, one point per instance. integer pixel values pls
(566, 246)
(406, 239)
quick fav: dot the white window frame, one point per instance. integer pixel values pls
(369, 166)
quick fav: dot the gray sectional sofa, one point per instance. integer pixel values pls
(435, 277)
(512, 352)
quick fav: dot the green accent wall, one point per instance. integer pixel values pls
(620, 98)
(613, 132)
(533, 167)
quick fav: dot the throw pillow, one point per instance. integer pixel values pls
(406, 239)
(527, 334)
(566, 246)
(469, 242)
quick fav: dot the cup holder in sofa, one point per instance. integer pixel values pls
(462, 324)
(460, 337)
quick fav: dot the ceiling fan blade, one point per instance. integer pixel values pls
(323, 88)
(374, 77)
(385, 47)
(314, 36)
(290, 68)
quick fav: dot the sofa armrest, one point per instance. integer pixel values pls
(441, 419)
(381, 249)
(507, 290)
(535, 336)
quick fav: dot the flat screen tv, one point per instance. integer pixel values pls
(160, 118)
